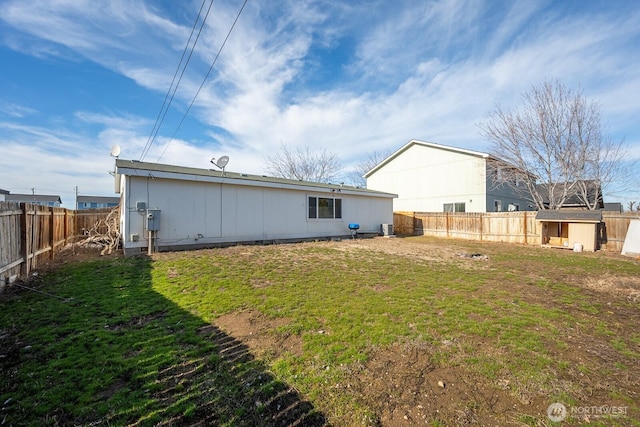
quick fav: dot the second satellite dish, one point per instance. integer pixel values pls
(115, 150)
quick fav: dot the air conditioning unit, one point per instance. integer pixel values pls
(386, 229)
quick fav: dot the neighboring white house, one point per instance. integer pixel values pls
(3, 194)
(430, 177)
(193, 208)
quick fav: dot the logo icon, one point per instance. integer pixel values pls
(557, 412)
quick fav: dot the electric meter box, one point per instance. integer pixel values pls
(153, 220)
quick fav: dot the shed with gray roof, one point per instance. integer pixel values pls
(570, 229)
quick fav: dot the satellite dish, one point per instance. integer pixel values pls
(221, 163)
(115, 151)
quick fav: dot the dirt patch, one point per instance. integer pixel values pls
(406, 388)
(265, 336)
(398, 247)
(628, 287)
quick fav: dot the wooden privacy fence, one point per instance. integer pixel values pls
(30, 234)
(512, 227)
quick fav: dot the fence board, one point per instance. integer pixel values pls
(10, 248)
(30, 234)
(615, 229)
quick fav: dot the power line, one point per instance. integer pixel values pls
(204, 80)
(165, 105)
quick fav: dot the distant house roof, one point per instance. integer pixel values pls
(157, 170)
(3, 191)
(613, 207)
(574, 201)
(33, 198)
(569, 216)
(413, 142)
(98, 199)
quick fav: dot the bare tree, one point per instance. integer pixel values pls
(554, 146)
(355, 176)
(304, 164)
(631, 204)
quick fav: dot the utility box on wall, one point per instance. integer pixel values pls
(153, 220)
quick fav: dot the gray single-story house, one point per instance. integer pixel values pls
(35, 199)
(96, 202)
(167, 207)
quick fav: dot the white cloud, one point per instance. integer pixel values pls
(16, 111)
(31, 162)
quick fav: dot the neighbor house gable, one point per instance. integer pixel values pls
(430, 177)
(418, 143)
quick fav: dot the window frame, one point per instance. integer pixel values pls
(318, 211)
(455, 207)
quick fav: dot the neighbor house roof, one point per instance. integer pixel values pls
(98, 199)
(574, 201)
(32, 198)
(613, 207)
(413, 142)
(569, 216)
(157, 170)
(3, 191)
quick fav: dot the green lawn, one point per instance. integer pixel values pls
(143, 341)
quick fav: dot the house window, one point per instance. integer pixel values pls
(497, 205)
(513, 207)
(325, 208)
(454, 207)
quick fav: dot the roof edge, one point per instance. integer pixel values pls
(123, 165)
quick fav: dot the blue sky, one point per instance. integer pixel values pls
(78, 77)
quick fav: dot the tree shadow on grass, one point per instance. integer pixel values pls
(116, 352)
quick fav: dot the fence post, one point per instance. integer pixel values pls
(52, 235)
(66, 226)
(481, 221)
(446, 223)
(413, 224)
(24, 240)
(524, 218)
